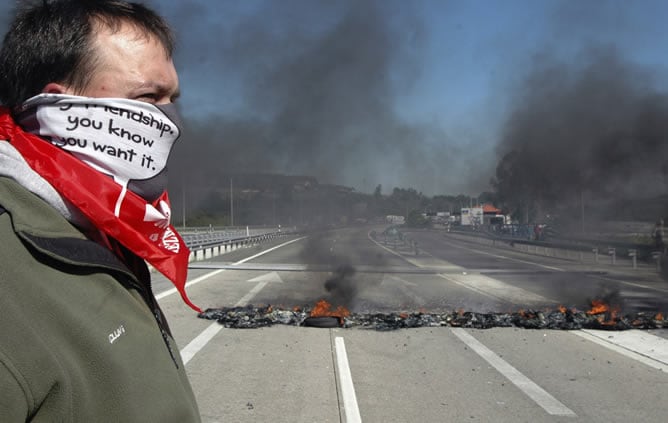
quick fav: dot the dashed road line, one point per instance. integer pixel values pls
(482, 284)
(215, 272)
(499, 256)
(541, 397)
(403, 286)
(347, 389)
(200, 341)
(171, 291)
(496, 289)
(556, 269)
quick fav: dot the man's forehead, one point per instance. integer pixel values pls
(109, 31)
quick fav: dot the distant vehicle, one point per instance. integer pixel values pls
(471, 216)
(395, 220)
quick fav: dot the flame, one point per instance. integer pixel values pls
(603, 310)
(659, 316)
(563, 309)
(323, 308)
(598, 307)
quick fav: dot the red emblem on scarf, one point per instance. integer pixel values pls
(141, 227)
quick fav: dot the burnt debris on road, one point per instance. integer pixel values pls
(598, 317)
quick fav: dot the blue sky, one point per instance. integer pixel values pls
(443, 74)
(469, 48)
(458, 68)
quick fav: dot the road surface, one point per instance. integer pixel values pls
(287, 373)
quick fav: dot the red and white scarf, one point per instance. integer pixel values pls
(140, 226)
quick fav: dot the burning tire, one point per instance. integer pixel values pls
(322, 322)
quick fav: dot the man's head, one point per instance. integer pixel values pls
(95, 48)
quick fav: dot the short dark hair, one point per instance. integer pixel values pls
(52, 41)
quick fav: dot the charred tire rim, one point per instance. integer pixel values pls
(322, 322)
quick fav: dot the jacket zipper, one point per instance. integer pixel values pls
(165, 336)
(149, 299)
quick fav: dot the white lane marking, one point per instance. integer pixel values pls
(207, 334)
(635, 284)
(641, 346)
(249, 296)
(416, 263)
(200, 341)
(403, 286)
(267, 277)
(482, 284)
(350, 409)
(261, 253)
(526, 385)
(495, 288)
(170, 291)
(558, 269)
(215, 272)
(544, 266)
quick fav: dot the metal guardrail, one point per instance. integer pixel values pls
(581, 249)
(599, 249)
(208, 238)
(599, 245)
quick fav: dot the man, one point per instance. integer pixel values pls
(88, 88)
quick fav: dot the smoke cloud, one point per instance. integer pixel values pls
(601, 128)
(586, 128)
(312, 88)
(315, 96)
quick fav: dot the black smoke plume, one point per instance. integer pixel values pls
(317, 91)
(591, 135)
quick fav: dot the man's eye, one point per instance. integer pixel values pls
(147, 97)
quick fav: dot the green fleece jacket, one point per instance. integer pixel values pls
(82, 338)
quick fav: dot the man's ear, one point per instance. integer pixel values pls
(54, 88)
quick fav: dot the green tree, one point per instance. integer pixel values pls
(416, 219)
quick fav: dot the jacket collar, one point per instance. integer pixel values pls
(49, 233)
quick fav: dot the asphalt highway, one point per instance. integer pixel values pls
(287, 373)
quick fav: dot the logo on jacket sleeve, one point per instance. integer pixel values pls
(113, 336)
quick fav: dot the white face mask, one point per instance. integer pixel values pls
(127, 139)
